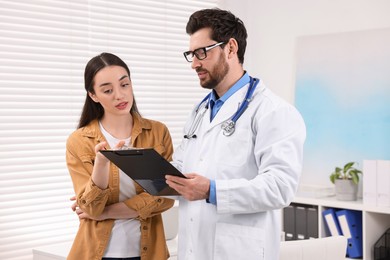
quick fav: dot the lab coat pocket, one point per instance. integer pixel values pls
(238, 242)
(235, 150)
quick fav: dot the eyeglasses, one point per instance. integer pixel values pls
(200, 53)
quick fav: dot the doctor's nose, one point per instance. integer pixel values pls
(195, 63)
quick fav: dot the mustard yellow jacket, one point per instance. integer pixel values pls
(92, 237)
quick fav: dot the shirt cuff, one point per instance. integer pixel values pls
(213, 194)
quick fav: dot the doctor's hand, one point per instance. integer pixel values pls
(195, 187)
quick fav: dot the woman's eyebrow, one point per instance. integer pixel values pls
(105, 84)
(109, 83)
(124, 76)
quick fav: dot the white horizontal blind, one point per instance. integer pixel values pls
(44, 47)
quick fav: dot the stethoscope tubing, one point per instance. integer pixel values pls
(243, 106)
(247, 99)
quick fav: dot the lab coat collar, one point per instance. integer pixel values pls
(231, 105)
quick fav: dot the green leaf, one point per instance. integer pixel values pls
(332, 178)
(348, 165)
(347, 172)
(355, 178)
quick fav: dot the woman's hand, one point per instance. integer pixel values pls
(101, 167)
(102, 146)
(99, 155)
(117, 210)
(81, 214)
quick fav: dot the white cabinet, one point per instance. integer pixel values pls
(376, 220)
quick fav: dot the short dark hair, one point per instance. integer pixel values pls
(93, 110)
(224, 25)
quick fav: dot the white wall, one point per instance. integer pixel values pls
(273, 27)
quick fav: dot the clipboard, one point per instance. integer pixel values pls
(146, 167)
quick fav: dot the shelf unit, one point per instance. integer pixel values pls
(376, 220)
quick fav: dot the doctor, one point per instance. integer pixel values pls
(242, 151)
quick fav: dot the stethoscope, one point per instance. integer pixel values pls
(229, 126)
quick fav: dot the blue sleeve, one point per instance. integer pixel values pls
(213, 194)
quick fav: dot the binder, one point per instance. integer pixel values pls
(351, 227)
(289, 222)
(331, 221)
(300, 222)
(382, 247)
(312, 222)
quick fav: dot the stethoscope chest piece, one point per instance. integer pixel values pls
(228, 127)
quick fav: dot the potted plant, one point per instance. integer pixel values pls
(346, 181)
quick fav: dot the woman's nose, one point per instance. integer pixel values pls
(119, 94)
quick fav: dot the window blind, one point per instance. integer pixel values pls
(44, 47)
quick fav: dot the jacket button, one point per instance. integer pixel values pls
(145, 248)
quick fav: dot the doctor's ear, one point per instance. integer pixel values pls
(93, 97)
(232, 45)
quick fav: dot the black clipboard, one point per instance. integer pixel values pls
(146, 167)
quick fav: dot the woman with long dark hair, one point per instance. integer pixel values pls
(118, 220)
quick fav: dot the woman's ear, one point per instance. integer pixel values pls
(93, 97)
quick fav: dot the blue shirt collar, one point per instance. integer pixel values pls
(245, 79)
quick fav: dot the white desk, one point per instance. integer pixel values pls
(60, 251)
(53, 252)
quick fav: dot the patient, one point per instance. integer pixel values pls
(118, 220)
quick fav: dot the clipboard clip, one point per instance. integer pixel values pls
(130, 151)
(125, 147)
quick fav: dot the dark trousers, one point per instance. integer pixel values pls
(126, 258)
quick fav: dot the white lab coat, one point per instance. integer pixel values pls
(256, 170)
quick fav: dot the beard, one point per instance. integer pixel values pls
(216, 75)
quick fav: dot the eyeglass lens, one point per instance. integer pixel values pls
(200, 53)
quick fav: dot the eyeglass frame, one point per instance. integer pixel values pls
(205, 50)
